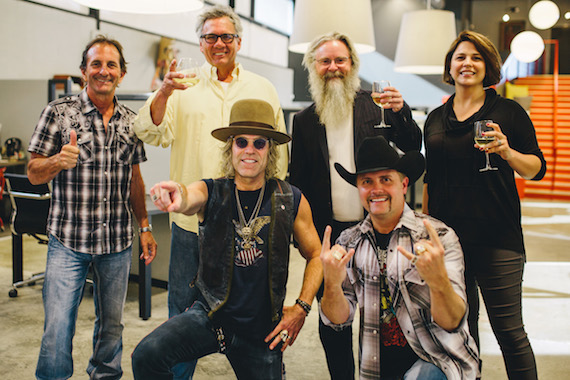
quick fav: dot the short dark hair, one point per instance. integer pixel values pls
(104, 40)
(487, 50)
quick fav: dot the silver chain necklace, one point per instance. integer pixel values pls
(247, 233)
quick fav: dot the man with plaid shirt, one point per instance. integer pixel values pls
(86, 145)
(412, 303)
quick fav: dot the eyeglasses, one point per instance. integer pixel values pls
(339, 61)
(213, 38)
(242, 142)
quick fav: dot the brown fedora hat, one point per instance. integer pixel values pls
(252, 117)
(375, 153)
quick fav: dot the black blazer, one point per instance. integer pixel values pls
(309, 168)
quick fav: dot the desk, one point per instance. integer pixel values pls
(9, 163)
(143, 273)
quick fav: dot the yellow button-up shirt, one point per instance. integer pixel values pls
(190, 117)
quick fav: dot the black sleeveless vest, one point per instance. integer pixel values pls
(216, 238)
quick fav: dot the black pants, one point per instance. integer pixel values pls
(498, 273)
(337, 344)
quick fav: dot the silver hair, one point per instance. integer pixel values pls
(219, 11)
(309, 58)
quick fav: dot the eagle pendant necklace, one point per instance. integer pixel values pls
(247, 233)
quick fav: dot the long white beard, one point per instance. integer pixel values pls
(333, 95)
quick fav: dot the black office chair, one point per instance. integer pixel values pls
(30, 204)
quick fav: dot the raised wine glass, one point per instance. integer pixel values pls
(481, 140)
(191, 70)
(379, 87)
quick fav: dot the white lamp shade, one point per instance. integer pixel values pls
(314, 18)
(423, 42)
(144, 6)
(544, 14)
(527, 46)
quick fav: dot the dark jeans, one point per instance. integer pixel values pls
(498, 273)
(190, 336)
(184, 254)
(337, 344)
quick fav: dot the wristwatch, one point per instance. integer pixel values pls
(145, 229)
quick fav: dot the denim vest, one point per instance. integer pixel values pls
(216, 238)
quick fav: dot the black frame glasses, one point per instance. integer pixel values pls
(212, 38)
(242, 142)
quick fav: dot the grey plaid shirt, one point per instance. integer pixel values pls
(455, 353)
(90, 207)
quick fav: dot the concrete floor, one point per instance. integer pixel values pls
(546, 305)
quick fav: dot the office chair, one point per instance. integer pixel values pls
(30, 204)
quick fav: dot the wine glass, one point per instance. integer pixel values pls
(191, 70)
(479, 128)
(379, 87)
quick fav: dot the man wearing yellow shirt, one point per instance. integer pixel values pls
(182, 116)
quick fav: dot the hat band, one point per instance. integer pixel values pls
(251, 124)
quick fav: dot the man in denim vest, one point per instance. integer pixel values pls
(247, 218)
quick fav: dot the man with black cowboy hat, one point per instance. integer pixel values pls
(246, 219)
(412, 303)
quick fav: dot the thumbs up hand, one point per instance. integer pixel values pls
(69, 152)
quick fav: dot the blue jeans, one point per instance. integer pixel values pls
(190, 336)
(184, 254)
(65, 276)
(422, 370)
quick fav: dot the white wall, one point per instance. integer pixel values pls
(38, 42)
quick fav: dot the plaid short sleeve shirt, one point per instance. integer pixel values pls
(90, 208)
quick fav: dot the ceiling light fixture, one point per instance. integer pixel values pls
(425, 37)
(144, 6)
(544, 14)
(313, 18)
(527, 46)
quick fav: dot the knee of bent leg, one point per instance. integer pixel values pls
(147, 354)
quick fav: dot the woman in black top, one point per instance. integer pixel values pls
(484, 207)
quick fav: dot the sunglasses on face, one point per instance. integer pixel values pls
(242, 142)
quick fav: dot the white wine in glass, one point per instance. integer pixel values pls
(379, 87)
(481, 140)
(191, 70)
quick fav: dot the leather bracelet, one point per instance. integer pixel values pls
(304, 305)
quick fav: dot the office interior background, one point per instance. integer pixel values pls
(41, 39)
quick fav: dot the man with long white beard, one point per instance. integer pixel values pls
(331, 130)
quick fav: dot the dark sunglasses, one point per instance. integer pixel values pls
(242, 142)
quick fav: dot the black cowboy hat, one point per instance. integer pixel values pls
(252, 117)
(375, 153)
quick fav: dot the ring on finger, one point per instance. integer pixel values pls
(414, 260)
(154, 197)
(337, 254)
(499, 142)
(420, 248)
(284, 335)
